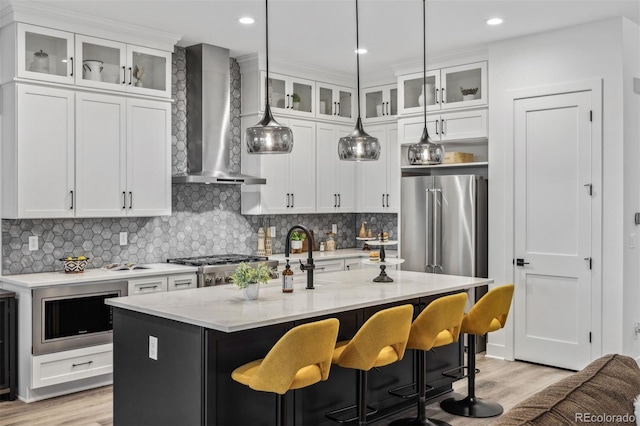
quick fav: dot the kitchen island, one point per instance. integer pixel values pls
(174, 353)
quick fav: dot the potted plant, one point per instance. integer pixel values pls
(297, 237)
(248, 278)
(469, 94)
(296, 100)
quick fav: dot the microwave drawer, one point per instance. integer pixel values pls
(67, 366)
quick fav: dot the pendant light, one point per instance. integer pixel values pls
(359, 145)
(268, 136)
(424, 151)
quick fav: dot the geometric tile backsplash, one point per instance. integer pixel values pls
(205, 219)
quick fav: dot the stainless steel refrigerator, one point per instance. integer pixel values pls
(444, 224)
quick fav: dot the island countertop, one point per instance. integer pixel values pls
(223, 307)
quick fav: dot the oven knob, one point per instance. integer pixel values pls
(218, 279)
(208, 281)
(227, 279)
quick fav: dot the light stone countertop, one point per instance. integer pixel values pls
(47, 279)
(223, 307)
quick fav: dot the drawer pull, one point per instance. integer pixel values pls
(321, 267)
(82, 363)
(147, 287)
(180, 283)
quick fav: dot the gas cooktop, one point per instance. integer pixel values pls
(217, 259)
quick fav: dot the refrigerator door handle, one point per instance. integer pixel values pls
(437, 228)
(428, 209)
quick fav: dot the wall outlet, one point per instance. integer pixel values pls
(33, 243)
(123, 238)
(637, 328)
(632, 240)
(153, 348)
(334, 228)
(273, 231)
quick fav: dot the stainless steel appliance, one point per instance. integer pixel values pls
(444, 224)
(217, 269)
(73, 316)
(444, 227)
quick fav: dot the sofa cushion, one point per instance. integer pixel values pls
(601, 393)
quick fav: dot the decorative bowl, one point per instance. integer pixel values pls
(74, 265)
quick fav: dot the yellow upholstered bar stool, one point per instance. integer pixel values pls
(380, 341)
(487, 315)
(437, 325)
(299, 359)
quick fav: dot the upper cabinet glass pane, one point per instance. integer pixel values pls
(344, 104)
(277, 91)
(102, 63)
(326, 101)
(302, 97)
(414, 95)
(373, 104)
(46, 54)
(463, 85)
(393, 101)
(149, 71)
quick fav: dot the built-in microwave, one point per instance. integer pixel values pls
(73, 316)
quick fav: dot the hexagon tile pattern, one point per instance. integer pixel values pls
(206, 219)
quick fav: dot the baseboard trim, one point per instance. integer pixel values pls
(496, 351)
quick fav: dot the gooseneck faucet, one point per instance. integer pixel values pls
(309, 267)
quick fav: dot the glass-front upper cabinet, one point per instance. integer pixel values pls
(45, 54)
(379, 103)
(117, 66)
(446, 88)
(290, 95)
(336, 103)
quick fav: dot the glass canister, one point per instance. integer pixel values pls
(329, 242)
(40, 62)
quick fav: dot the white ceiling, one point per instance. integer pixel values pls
(322, 32)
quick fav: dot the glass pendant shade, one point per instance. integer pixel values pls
(425, 152)
(358, 145)
(268, 136)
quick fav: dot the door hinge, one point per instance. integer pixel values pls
(590, 261)
(589, 337)
(589, 187)
(591, 115)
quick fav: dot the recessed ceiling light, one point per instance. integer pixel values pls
(246, 20)
(494, 21)
(361, 51)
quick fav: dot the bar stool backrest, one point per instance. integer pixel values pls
(439, 323)
(490, 312)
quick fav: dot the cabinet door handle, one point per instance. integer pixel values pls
(382, 200)
(130, 76)
(384, 107)
(130, 200)
(388, 109)
(71, 207)
(335, 200)
(387, 200)
(287, 200)
(339, 200)
(124, 75)
(437, 92)
(335, 108)
(442, 97)
(437, 121)
(287, 102)
(338, 108)
(71, 58)
(291, 200)
(444, 126)
(124, 200)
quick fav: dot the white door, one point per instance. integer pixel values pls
(552, 168)
(148, 158)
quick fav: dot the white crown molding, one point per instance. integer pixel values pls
(443, 59)
(69, 20)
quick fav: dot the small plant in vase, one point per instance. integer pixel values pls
(138, 73)
(248, 278)
(469, 94)
(297, 238)
(296, 101)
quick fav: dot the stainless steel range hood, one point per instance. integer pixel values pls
(208, 119)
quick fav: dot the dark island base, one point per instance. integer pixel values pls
(190, 382)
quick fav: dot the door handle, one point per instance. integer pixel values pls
(288, 200)
(521, 262)
(71, 207)
(338, 108)
(291, 200)
(387, 200)
(444, 128)
(382, 200)
(437, 121)
(130, 76)
(71, 65)
(124, 76)
(384, 107)
(287, 102)
(335, 108)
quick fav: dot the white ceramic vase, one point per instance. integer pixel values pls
(430, 95)
(251, 291)
(296, 244)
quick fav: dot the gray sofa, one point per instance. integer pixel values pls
(602, 393)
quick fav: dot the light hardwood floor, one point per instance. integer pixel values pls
(503, 381)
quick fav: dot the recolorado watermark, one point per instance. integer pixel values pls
(605, 418)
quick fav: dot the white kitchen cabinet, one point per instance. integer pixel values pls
(290, 186)
(443, 89)
(62, 367)
(351, 264)
(379, 103)
(325, 266)
(289, 95)
(336, 179)
(111, 65)
(379, 181)
(122, 157)
(147, 285)
(450, 126)
(336, 103)
(37, 152)
(41, 54)
(181, 282)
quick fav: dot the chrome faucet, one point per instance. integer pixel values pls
(309, 266)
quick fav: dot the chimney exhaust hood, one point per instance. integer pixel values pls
(208, 119)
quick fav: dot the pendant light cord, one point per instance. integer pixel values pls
(266, 16)
(357, 60)
(424, 61)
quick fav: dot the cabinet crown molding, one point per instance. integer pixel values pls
(443, 59)
(71, 21)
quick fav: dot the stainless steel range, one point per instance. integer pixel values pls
(217, 269)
